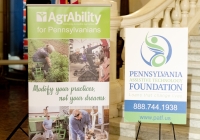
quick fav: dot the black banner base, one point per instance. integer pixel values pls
(159, 130)
(18, 127)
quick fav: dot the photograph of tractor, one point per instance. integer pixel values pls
(39, 123)
(88, 63)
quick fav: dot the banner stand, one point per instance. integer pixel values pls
(138, 129)
(18, 127)
(159, 130)
(173, 130)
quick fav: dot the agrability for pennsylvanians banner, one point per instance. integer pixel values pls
(69, 60)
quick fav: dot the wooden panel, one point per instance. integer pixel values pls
(1, 45)
(1, 21)
(1, 6)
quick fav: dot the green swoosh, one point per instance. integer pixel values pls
(153, 45)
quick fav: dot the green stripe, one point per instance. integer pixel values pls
(155, 117)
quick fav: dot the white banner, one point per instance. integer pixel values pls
(156, 72)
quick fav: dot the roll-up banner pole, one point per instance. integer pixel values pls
(69, 59)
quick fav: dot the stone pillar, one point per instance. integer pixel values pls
(155, 22)
(157, 19)
(198, 3)
(192, 7)
(115, 87)
(167, 23)
(185, 7)
(176, 14)
(122, 69)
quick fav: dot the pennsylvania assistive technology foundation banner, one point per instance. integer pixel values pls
(156, 75)
(69, 59)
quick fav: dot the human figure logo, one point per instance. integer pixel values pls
(156, 50)
(41, 17)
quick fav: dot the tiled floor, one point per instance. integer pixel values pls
(115, 137)
(13, 108)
